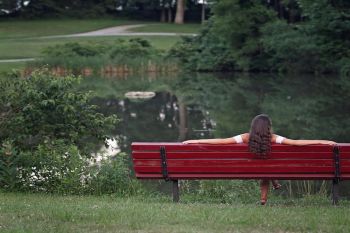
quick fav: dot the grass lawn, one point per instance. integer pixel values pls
(11, 29)
(46, 213)
(169, 27)
(6, 67)
(18, 38)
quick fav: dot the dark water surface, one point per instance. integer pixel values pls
(192, 106)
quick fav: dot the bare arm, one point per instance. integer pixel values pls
(287, 141)
(212, 141)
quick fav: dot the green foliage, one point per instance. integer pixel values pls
(113, 176)
(290, 48)
(44, 107)
(206, 52)
(53, 167)
(230, 40)
(310, 36)
(132, 49)
(52, 8)
(136, 53)
(239, 22)
(48, 129)
(319, 42)
(75, 49)
(9, 162)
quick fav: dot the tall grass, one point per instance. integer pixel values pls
(135, 56)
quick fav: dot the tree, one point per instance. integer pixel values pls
(204, 3)
(10, 7)
(180, 12)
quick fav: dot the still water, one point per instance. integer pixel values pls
(191, 106)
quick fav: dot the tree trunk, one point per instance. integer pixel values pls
(203, 12)
(180, 12)
(170, 15)
(162, 15)
(182, 121)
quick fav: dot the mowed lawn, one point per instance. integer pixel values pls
(22, 39)
(169, 27)
(47, 213)
(14, 29)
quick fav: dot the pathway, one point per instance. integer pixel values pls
(120, 31)
(16, 60)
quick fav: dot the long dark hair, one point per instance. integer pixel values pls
(260, 135)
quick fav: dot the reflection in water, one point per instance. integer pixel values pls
(205, 106)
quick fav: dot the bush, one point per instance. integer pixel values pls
(43, 107)
(132, 56)
(74, 49)
(54, 167)
(290, 48)
(48, 130)
(113, 176)
(9, 162)
(206, 52)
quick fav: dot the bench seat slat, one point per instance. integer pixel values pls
(139, 146)
(244, 169)
(230, 154)
(242, 176)
(236, 162)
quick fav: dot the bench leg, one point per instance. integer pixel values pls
(176, 192)
(335, 191)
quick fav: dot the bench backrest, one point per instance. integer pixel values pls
(233, 161)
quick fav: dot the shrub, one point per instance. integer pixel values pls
(75, 49)
(43, 107)
(206, 52)
(48, 130)
(9, 162)
(290, 49)
(113, 176)
(121, 56)
(53, 167)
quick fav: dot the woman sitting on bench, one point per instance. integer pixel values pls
(259, 140)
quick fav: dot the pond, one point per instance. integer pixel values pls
(191, 106)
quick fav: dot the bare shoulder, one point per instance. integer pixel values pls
(245, 137)
(277, 138)
(273, 137)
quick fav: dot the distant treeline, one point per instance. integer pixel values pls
(164, 10)
(309, 36)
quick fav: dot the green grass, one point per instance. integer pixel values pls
(169, 27)
(18, 38)
(11, 29)
(46, 213)
(6, 67)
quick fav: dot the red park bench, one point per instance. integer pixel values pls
(177, 161)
